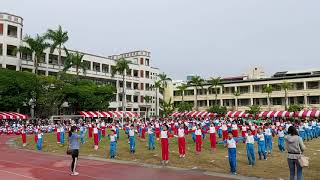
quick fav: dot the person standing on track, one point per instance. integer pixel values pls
(74, 147)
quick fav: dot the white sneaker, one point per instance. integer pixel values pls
(74, 174)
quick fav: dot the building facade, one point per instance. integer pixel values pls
(305, 91)
(138, 81)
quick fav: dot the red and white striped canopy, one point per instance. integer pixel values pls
(271, 114)
(308, 113)
(194, 114)
(12, 115)
(237, 114)
(99, 114)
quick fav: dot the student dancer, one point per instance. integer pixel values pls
(234, 128)
(164, 135)
(224, 131)
(213, 136)
(150, 131)
(132, 143)
(62, 134)
(182, 140)
(90, 129)
(250, 148)
(268, 138)
(95, 137)
(261, 145)
(198, 132)
(82, 132)
(24, 136)
(39, 140)
(58, 134)
(230, 143)
(157, 130)
(113, 143)
(281, 139)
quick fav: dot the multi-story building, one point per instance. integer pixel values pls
(305, 91)
(138, 80)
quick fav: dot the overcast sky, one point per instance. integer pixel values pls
(204, 37)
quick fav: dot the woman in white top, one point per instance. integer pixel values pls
(164, 135)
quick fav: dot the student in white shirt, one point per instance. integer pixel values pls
(250, 148)
(232, 153)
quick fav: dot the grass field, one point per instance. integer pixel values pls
(275, 167)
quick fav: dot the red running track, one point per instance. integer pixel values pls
(16, 164)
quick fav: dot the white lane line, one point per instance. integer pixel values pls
(64, 172)
(9, 172)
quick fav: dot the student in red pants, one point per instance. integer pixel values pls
(24, 137)
(58, 134)
(234, 128)
(164, 135)
(224, 128)
(157, 130)
(90, 130)
(95, 137)
(198, 132)
(213, 136)
(182, 140)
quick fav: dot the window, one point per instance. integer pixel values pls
(244, 89)
(141, 61)
(42, 58)
(120, 84)
(189, 92)
(148, 87)
(12, 31)
(11, 50)
(313, 100)
(141, 86)
(136, 86)
(128, 85)
(88, 64)
(141, 99)
(276, 87)
(244, 102)
(129, 72)
(147, 62)
(313, 85)
(135, 98)
(299, 86)
(96, 66)
(147, 74)
(135, 73)
(141, 73)
(177, 93)
(105, 68)
(53, 59)
(277, 101)
(129, 98)
(1, 49)
(202, 103)
(1, 29)
(135, 61)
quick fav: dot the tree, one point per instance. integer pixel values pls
(34, 45)
(121, 67)
(286, 86)
(196, 81)
(220, 110)
(181, 89)
(85, 95)
(50, 96)
(184, 106)
(295, 108)
(167, 107)
(16, 89)
(75, 60)
(254, 109)
(58, 38)
(215, 82)
(236, 95)
(163, 79)
(156, 87)
(147, 99)
(268, 89)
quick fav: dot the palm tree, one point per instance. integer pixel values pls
(268, 89)
(147, 99)
(214, 84)
(196, 81)
(58, 38)
(182, 88)
(286, 86)
(236, 95)
(122, 66)
(163, 79)
(156, 86)
(34, 46)
(75, 60)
